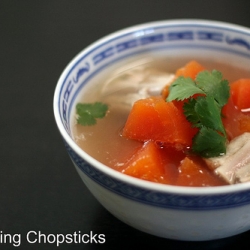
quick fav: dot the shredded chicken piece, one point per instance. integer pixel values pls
(243, 174)
(129, 86)
(234, 166)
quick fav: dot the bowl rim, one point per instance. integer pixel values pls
(163, 188)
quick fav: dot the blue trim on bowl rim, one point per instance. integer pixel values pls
(142, 50)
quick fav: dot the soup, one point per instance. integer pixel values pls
(141, 79)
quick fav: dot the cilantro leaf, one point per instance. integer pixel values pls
(86, 119)
(207, 143)
(209, 113)
(213, 85)
(88, 112)
(204, 111)
(183, 88)
(190, 112)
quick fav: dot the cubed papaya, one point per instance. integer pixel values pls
(240, 92)
(193, 172)
(155, 119)
(154, 163)
(191, 69)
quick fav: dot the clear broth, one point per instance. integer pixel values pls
(103, 140)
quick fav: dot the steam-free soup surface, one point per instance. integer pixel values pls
(119, 89)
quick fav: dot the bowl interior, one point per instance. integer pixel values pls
(183, 38)
(197, 39)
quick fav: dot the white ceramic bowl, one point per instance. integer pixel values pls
(182, 213)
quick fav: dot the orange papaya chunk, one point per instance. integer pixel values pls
(230, 119)
(194, 173)
(240, 92)
(191, 69)
(165, 92)
(153, 163)
(154, 119)
(235, 121)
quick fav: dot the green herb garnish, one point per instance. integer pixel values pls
(87, 113)
(204, 111)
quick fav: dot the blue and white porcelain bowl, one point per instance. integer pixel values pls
(182, 213)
